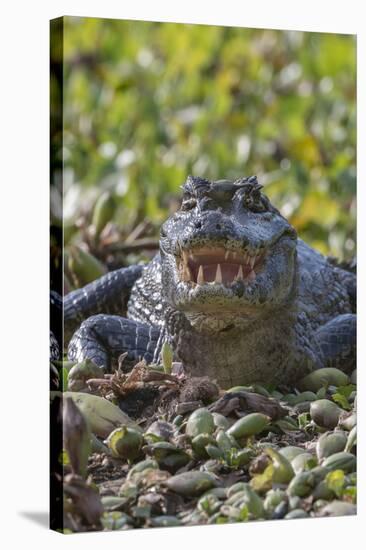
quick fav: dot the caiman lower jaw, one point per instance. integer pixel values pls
(218, 266)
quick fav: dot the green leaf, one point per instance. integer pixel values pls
(341, 400)
(138, 118)
(303, 420)
(346, 390)
(342, 396)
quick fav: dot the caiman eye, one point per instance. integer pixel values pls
(255, 201)
(188, 203)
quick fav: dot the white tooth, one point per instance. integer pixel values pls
(250, 276)
(251, 261)
(185, 256)
(200, 277)
(239, 275)
(227, 253)
(186, 274)
(234, 255)
(246, 257)
(218, 276)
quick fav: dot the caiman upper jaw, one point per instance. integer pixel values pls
(218, 265)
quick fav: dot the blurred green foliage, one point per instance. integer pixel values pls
(146, 104)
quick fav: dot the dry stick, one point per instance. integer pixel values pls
(138, 231)
(138, 244)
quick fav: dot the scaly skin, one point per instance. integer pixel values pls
(272, 310)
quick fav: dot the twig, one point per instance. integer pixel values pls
(138, 231)
(138, 244)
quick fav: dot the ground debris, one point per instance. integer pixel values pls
(245, 401)
(211, 456)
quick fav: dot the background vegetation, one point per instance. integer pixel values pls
(147, 103)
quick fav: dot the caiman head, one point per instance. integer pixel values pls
(228, 256)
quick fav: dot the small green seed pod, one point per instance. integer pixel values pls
(102, 415)
(247, 496)
(325, 413)
(191, 483)
(223, 441)
(250, 424)
(341, 461)
(303, 461)
(273, 498)
(323, 377)
(303, 397)
(319, 473)
(200, 442)
(125, 443)
(301, 485)
(322, 491)
(330, 443)
(81, 372)
(147, 464)
(214, 452)
(220, 421)
(283, 472)
(243, 457)
(200, 421)
(168, 456)
(236, 488)
(290, 452)
(254, 503)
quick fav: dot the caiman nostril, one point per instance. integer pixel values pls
(218, 226)
(198, 225)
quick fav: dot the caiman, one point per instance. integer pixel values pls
(238, 296)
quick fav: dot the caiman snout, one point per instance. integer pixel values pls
(213, 227)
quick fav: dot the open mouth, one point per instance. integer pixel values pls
(218, 265)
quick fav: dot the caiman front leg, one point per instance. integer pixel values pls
(108, 294)
(337, 342)
(103, 338)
